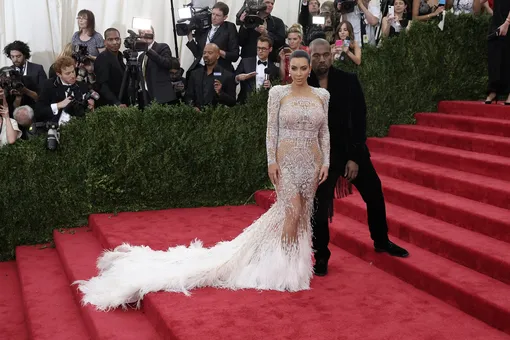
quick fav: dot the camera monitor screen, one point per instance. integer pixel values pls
(318, 20)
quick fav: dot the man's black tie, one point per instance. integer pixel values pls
(262, 62)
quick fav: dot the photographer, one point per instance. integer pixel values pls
(63, 97)
(364, 17)
(19, 53)
(9, 131)
(309, 9)
(19, 90)
(272, 27)
(155, 65)
(222, 33)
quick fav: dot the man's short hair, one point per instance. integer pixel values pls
(265, 38)
(111, 29)
(318, 42)
(25, 108)
(18, 45)
(222, 7)
(63, 62)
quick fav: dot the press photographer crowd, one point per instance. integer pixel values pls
(91, 71)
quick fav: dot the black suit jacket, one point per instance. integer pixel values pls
(225, 38)
(248, 65)
(36, 72)
(347, 117)
(109, 69)
(157, 73)
(53, 92)
(248, 38)
(194, 89)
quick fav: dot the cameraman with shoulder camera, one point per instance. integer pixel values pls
(222, 33)
(364, 17)
(256, 20)
(63, 97)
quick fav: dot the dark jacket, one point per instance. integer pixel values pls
(347, 117)
(248, 65)
(157, 73)
(36, 72)
(248, 38)
(194, 89)
(225, 38)
(109, 69)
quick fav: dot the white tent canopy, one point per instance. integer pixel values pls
(48, 25)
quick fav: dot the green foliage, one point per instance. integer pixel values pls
(127, 160)
(412, 72)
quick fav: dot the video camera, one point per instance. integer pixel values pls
(10, 79)
(347, 6)
(197, 20)
(134, 42)
(81, 54)
(252, 9)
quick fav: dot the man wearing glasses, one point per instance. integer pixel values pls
(258, 72)
(222, 33)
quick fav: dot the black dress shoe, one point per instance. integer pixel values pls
(321, 267)
(391, 248)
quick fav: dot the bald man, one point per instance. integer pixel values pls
(212, 84)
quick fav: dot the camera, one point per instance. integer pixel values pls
(199, 21)
(252, 9)
(81, 54)
(347, 6)
(53, 137)
(78, 106)
(10, 79)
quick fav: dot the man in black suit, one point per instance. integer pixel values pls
(19, 53)
(211, 85)
(57, 94)
(273, 27)
(252, 73)
(156, 65)
(109, 67)
(222, 33)
(350, 157)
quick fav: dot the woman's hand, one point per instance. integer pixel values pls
(323, 174)
(4, 112)
(503, 29)
(274, 173)
(438, 11)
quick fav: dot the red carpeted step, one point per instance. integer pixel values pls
(50, 310)
(474, 293)
(79, 250)
(488, 126)
(477, 109)
(339, 306)
(475, 187)
(480, 217)
(473, 162)
(481, 253)
(12, 324)
(493, 145)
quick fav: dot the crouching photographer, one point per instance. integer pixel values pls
(64, 97)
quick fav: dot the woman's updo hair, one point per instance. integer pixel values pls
(296, 28)
(300, 54)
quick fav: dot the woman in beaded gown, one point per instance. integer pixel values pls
(273, 253)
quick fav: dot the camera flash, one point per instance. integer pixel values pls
(184, 13)
(141, 24)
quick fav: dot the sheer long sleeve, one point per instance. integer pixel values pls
(273, 107)
(324, 130)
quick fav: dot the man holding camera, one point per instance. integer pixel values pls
(156, 63)
(364, 17)
(109, 67)
(269, 25)
(211, 85)
(19, 53)
(63, 97)
(222, 33)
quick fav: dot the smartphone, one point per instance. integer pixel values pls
(339, 43)
(287, 50)
(441, 3)
(318, 20)
(391, 11)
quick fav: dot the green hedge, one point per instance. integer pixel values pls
(127, 160)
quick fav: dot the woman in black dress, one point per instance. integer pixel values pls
(499, 52)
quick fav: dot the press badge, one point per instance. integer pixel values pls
(365, 39)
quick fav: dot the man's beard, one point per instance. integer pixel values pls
(321, 71)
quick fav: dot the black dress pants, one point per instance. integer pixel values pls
(499, 65)
(369, 185)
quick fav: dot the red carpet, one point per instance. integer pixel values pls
(447, 186)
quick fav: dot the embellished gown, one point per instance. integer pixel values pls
(273, 253)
